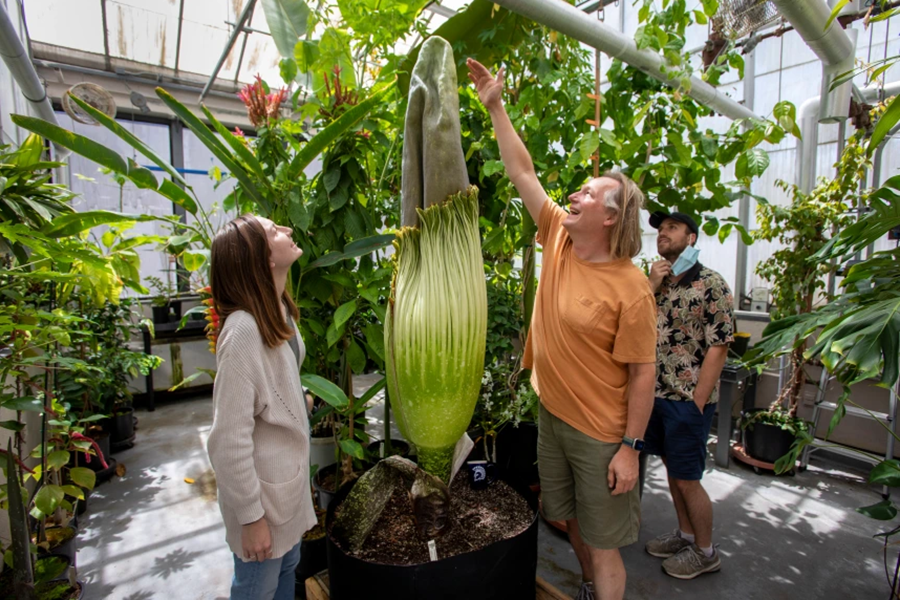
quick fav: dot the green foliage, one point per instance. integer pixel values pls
(777, 417)
(655, 134)
(103, 343)
(26, 194)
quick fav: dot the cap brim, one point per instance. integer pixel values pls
(657, 218)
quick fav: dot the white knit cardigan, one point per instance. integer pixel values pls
(259, 442)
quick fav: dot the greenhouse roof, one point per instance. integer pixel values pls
(179, 37)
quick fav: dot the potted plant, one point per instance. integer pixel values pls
(798, 286)
(59, 484)
(434, 363)
(346, 418)
(29, 576)
(165, 307)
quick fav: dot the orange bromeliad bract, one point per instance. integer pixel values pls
(212, 318)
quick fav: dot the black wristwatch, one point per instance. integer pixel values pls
(637, 444)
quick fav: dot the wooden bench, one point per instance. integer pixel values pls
(317, 589)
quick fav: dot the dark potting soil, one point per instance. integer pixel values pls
(327, 482)
(318, 531)
(478, 518)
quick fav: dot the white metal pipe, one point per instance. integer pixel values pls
(809, 17)
(570, 21)
(19, 65)
(834, 46)
(808, 120)
(835, 106)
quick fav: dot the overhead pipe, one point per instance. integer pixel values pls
(832, 44)
(19, 64)
(808, 120)
(571, 21)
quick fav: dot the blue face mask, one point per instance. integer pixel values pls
(687, 260)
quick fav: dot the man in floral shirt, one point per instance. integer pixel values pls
(695, 324)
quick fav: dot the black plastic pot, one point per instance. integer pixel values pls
(323, 496)
(398, 447)
(66, 550)
(764, 442)
(121, 435)
(517, 452)
(313, 559)
(81, 505)
(43, 589)
(503, 570)
(169, 313)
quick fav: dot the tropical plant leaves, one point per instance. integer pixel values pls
(326, 390)
(884, 125)
(288, 22)
(354, 249)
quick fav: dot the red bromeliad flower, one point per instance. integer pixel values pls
(261, 106)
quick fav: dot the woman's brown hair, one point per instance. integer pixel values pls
(241, 279)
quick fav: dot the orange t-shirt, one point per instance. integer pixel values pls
(590, 320)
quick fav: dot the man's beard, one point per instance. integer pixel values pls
(674, 251)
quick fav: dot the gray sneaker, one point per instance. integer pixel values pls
(586, 592)
(666, 545)
(691, 562)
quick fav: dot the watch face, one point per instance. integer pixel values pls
(638, 445)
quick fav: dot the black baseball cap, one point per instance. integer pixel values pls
(659, 216)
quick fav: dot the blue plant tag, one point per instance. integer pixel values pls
(687, 260)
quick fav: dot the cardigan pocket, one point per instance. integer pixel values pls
(281, 501)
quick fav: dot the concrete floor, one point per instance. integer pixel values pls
(150, 534)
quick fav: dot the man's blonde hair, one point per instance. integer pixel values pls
(627, 200)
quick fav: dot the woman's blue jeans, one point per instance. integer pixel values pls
(271, 579)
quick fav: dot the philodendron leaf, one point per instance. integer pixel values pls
(57, 459)
(83, 476)
(887, 472)
(883, 511)
(48, 498)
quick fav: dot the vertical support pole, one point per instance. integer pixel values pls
(176, 150)
(740, 270)
(106, 59)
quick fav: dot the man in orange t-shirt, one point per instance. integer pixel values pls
(592, 348)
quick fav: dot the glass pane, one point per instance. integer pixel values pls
(146, 34)
(72, 24)
(100, 192)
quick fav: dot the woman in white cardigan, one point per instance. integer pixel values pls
(259, 443)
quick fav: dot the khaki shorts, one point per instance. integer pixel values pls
(573, 468)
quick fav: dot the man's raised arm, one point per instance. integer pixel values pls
(516, 160)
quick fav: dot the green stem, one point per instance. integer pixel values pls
(437, 461)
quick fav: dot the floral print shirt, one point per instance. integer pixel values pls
(692, 315)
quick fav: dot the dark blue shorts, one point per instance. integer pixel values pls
(678, 432)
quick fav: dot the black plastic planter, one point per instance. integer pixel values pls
(324, 496)
(398, 447)
(517, 452)
(504, 570)
(66, 550)
(121, 435)
(313, 559)
(765, 442)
